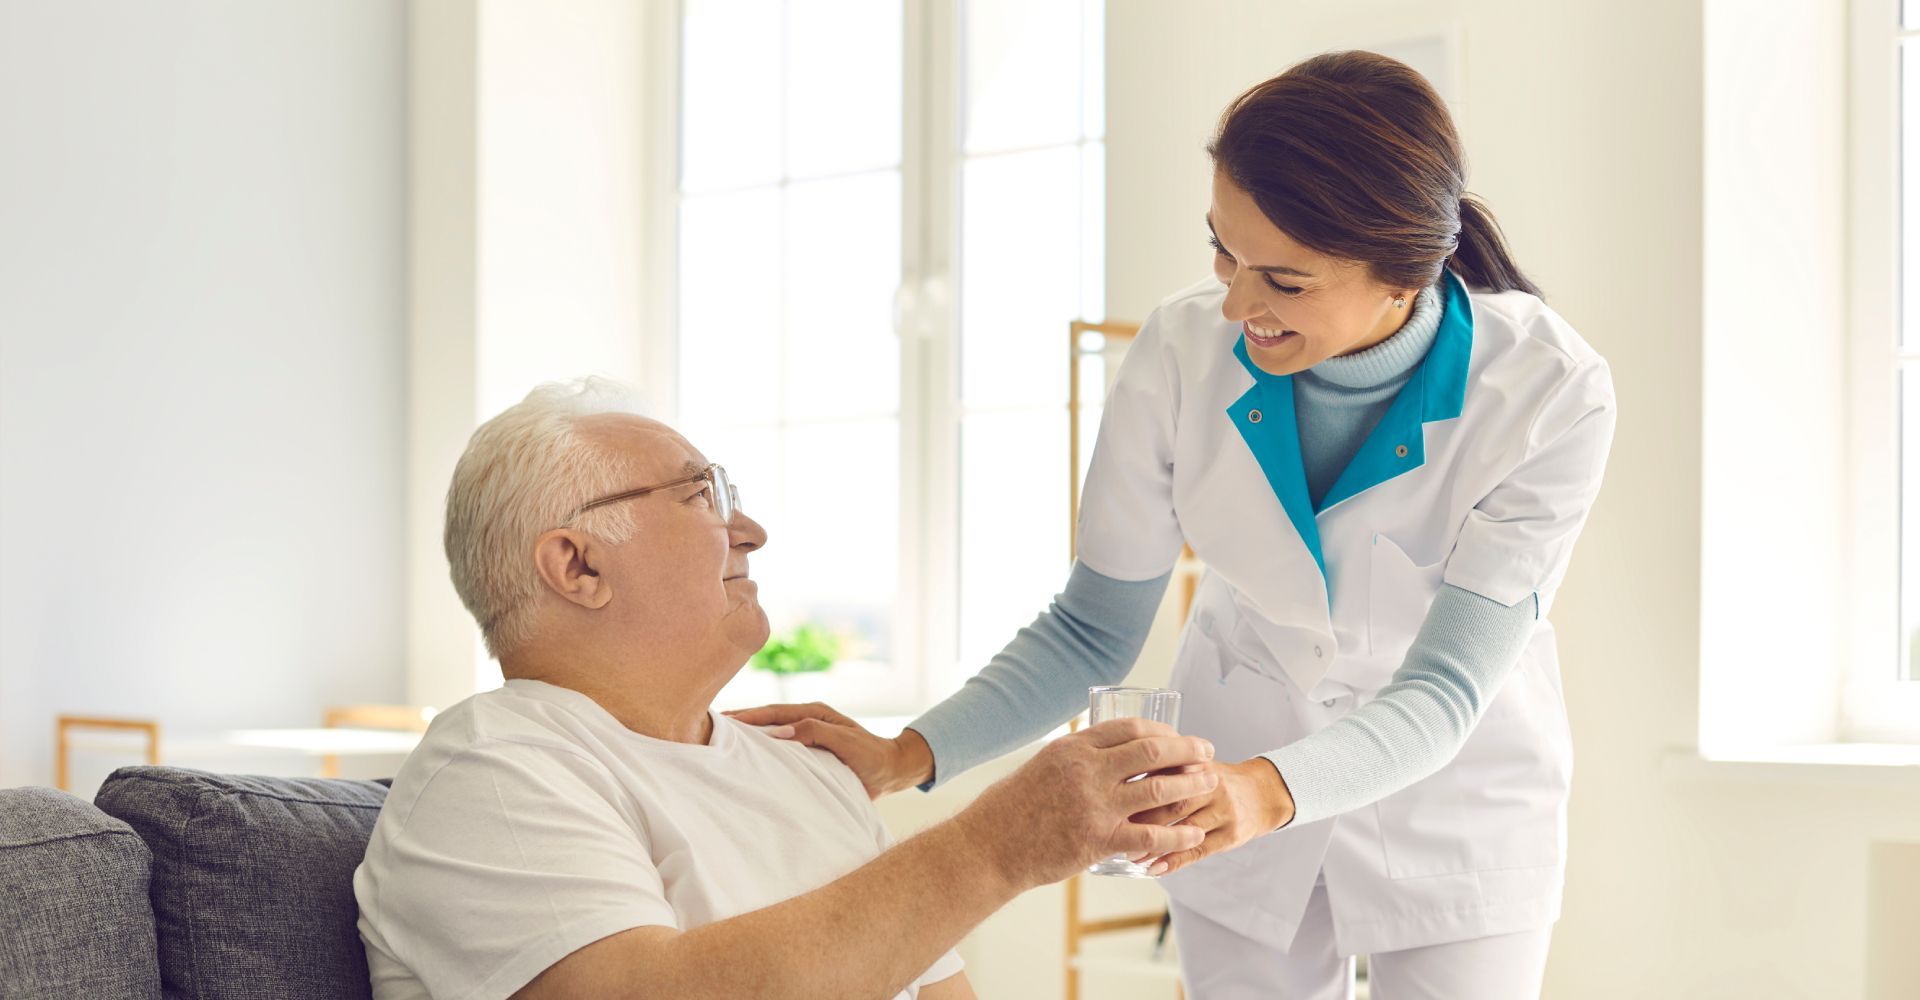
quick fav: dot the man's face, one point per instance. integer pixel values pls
(680, 583)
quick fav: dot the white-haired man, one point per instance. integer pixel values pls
(594, 829)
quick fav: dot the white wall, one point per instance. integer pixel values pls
(1775, 92)
(529, 173)
(1583, 123)
(202, 363)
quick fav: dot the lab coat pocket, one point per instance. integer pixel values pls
(1399, 591)
(1241, 710)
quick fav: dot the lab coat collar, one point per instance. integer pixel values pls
(1437, 391)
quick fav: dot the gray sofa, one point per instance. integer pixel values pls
(184, 884)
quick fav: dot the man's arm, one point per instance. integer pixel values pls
(866, 935)
(871, 932)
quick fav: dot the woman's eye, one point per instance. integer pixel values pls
(1220, 251)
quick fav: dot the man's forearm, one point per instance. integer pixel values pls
(867, 934)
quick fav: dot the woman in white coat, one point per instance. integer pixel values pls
(1383, 445)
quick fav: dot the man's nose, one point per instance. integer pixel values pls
(747, 534)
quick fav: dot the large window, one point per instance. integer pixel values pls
(888, 212)
(1882, 696)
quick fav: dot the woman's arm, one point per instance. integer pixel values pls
(1467, 646)
(1089, 636)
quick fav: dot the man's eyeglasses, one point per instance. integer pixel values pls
(725, 495)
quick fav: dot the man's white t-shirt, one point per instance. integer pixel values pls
(530, 823)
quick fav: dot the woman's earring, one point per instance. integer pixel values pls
(1399, 302)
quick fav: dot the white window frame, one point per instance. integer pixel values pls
(1881, 700)
(926, 321)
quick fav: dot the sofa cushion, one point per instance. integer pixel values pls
(252, 879)
(74, 920)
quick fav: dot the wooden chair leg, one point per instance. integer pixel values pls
(63, 725)
(1073, 937)
(60, 750)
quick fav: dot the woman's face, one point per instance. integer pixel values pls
(1296, 307)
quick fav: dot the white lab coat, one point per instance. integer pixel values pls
(1480, 475)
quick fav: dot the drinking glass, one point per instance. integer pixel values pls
(1104, 703)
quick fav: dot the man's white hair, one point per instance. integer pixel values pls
(523, 472)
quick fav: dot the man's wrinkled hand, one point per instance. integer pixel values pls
(1075, 802)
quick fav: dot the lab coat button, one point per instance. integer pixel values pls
(1317, 653)
(1329, 702)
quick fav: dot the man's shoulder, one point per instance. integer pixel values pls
(499, 730)
(820, 767)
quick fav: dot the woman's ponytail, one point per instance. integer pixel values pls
(1482, 259)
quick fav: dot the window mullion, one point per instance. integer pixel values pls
(928, 439)
(661, 349)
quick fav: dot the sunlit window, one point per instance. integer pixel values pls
(1031, 235)
(797, 195)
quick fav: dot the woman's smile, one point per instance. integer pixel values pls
(1267, 336)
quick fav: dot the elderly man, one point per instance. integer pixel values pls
(594, 829)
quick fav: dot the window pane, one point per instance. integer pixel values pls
(1093, 231)
(1910, 519)
(1024, 68)
(1910, 193)
(843, 264)
(1093, 70)
(1020, 276)
(838, 556)
(843, 86)
(1013, 525)
(729, 339)
(730, 73)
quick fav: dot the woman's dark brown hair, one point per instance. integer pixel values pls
(1353, 155)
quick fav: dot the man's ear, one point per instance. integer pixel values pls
(566, 560)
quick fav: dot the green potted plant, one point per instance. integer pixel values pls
(807, 649)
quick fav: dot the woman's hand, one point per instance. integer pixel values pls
(1251, 799)
(882, 765)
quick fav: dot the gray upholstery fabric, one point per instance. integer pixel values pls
(74, 920)
(252, 879)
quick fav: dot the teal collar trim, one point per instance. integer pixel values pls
(1264, 415)
(1437, 391)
